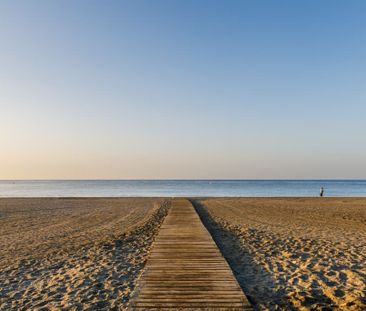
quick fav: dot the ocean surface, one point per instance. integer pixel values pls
(170, 188)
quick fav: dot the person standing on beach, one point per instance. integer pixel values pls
(321, 191)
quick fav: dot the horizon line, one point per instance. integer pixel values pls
(183, 179)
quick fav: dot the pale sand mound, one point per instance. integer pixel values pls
(74, 254)
(293, 254)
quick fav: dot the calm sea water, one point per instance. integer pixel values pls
(126, 188)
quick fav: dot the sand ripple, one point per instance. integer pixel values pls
(97, 272)
(286, 260)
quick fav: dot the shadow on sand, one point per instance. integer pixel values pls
(256, 282)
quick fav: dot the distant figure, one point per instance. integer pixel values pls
(321, 191)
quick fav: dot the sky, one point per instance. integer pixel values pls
(182, 89)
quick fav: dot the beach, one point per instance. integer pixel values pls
(183, 155)
(74, 254)
(293, 253)
(88, 253)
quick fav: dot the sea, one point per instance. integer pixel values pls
(181, 188)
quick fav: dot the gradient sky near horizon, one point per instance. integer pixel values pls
(182, 89)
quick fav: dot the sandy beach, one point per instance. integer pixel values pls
(87, 254)
(74, 254)
(293, 254)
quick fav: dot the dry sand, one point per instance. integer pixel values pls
(74, 254)
(293, 254)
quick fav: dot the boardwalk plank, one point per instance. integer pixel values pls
(186, 270)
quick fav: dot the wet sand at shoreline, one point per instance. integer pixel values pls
(74, 254)
(293, 253)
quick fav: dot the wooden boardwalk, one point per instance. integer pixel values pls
(186, 270)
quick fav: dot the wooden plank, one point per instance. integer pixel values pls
(185, 270)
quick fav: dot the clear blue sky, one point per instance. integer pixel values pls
(183, 89)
